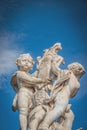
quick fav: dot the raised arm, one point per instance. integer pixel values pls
(28, 79)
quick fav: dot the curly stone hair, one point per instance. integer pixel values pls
(77, 68)
(27, 55)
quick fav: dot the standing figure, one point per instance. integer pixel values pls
(69, 90)
(24, 84)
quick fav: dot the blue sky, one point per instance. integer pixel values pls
(30, 27)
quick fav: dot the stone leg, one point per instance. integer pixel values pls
(23, 106)
(57, 126)
(36, 119)
(51, 116)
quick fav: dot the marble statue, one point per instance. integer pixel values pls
(43, 96)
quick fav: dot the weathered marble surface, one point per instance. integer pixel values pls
(44, 96)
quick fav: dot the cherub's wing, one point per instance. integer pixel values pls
(14, 82)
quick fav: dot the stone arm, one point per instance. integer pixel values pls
(74, 92)
(28, 79)
(76, 85)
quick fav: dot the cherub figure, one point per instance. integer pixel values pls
(69, 89)
(24, 84)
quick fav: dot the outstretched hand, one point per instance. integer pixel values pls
(47, 81)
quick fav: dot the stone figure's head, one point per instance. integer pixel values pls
(77, 69)
(25, 62)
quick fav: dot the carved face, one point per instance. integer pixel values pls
(25, 62)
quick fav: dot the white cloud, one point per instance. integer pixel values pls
(9, 51)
